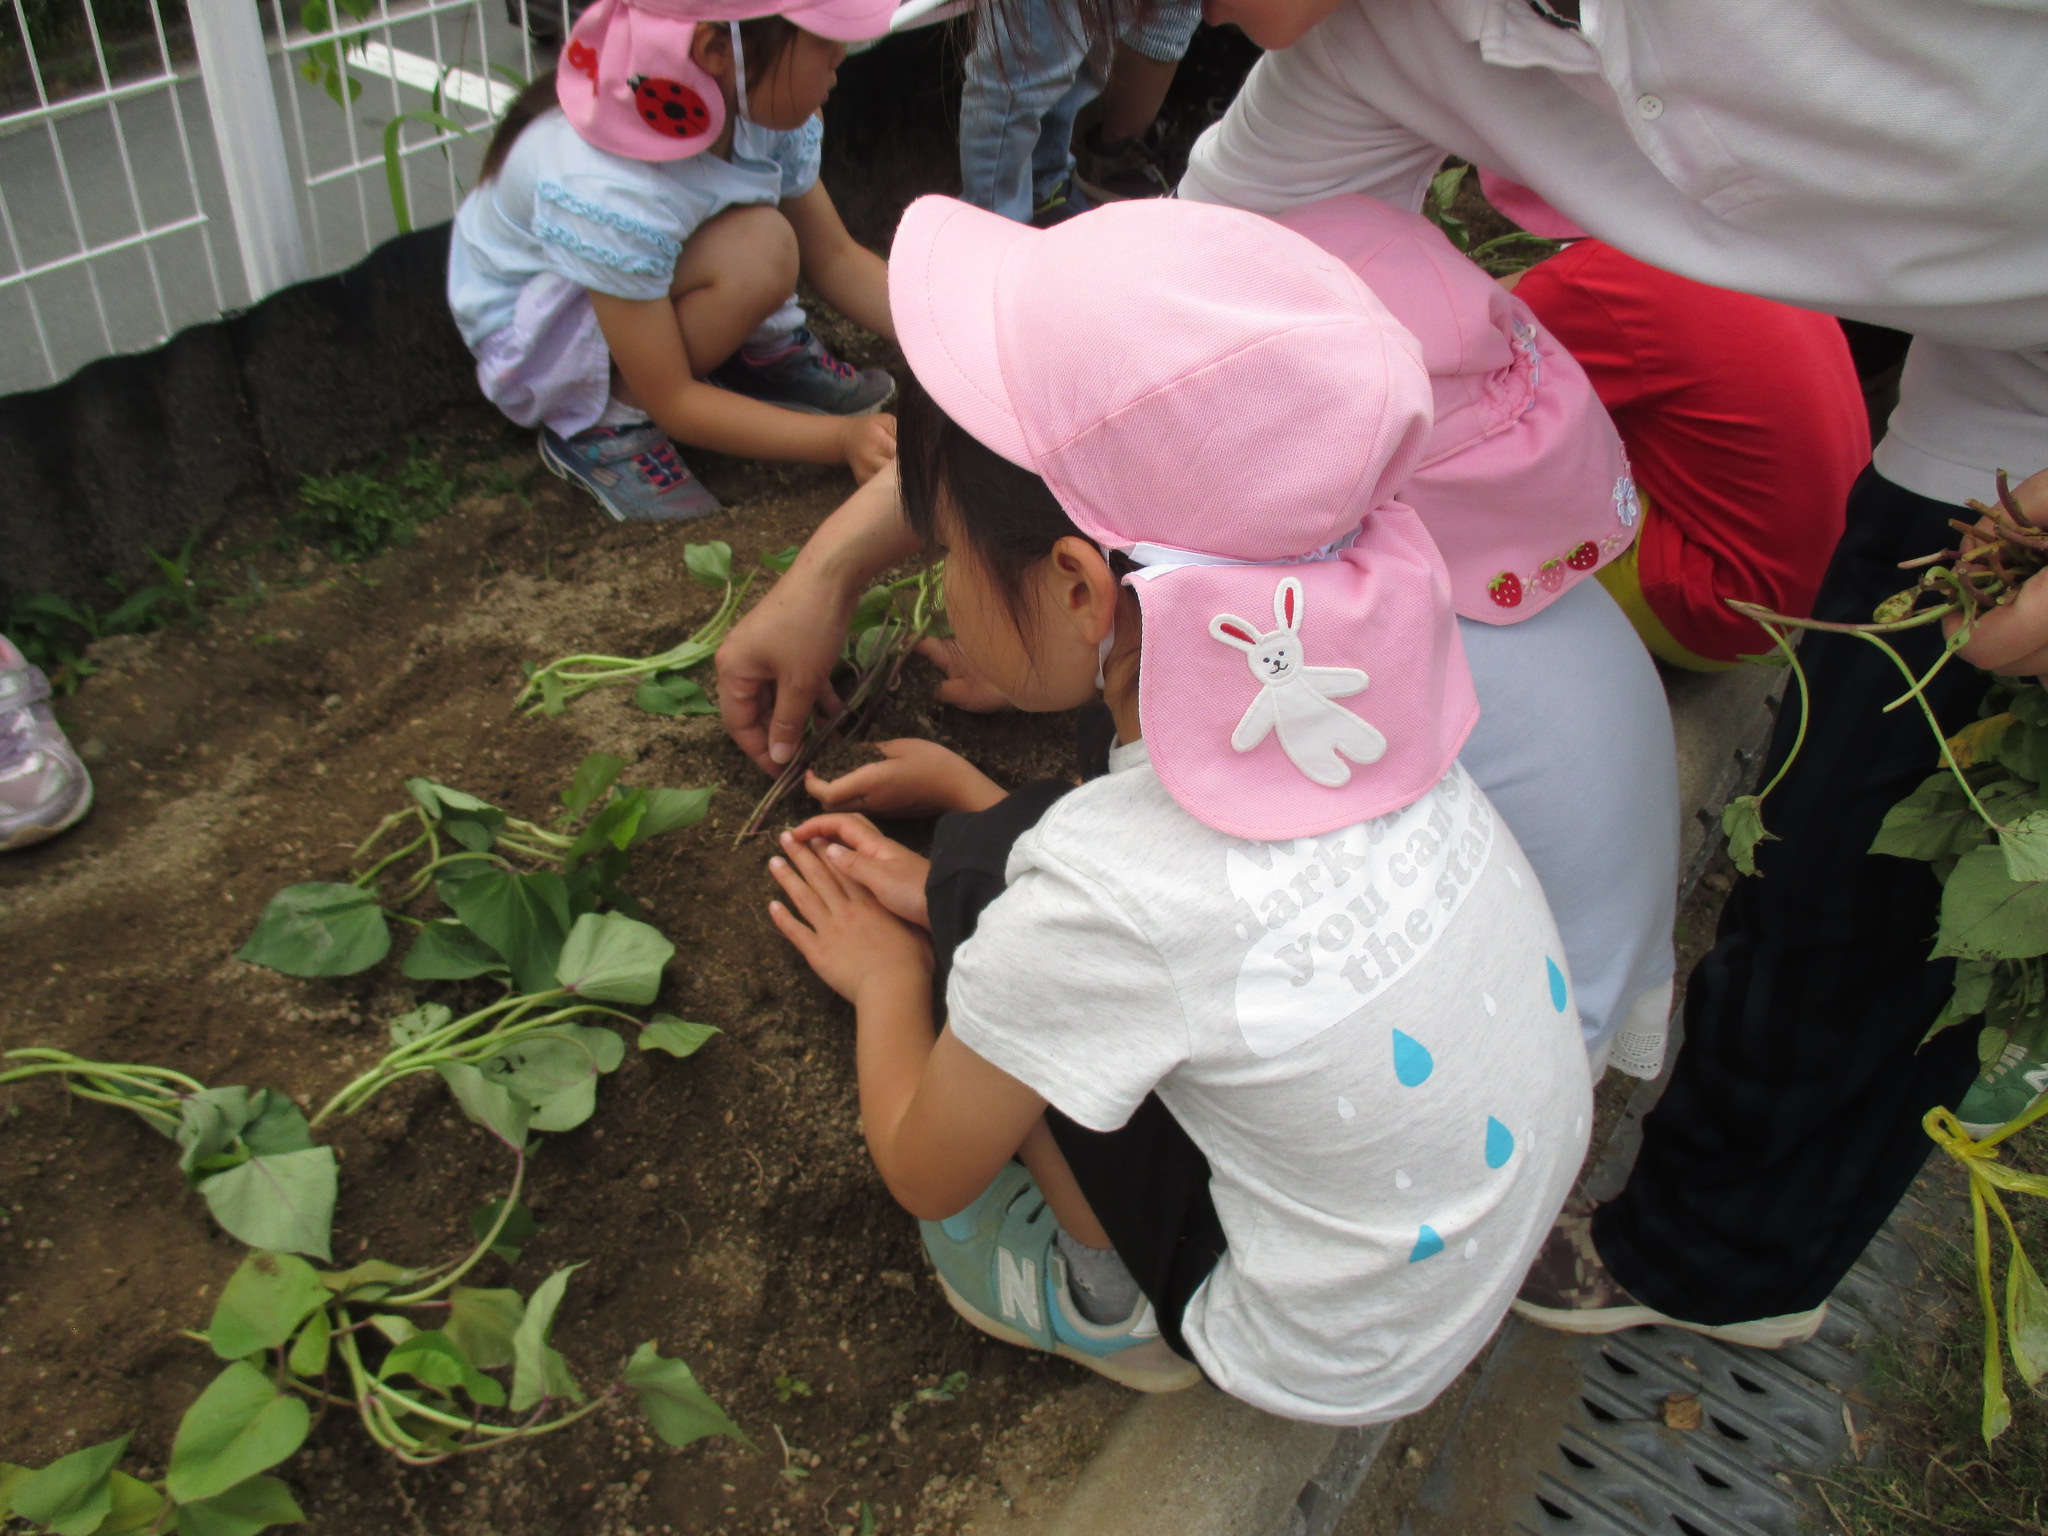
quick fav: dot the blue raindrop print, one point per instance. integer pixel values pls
(1427, 1244)
(1412, 1061)
(1557, 992)
(1500, 1143)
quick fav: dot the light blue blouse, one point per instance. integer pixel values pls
(602, 221)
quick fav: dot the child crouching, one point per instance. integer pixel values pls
(625, 269)
(1272, 1012)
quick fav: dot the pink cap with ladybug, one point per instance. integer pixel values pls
(1523, 484)
(627, 82)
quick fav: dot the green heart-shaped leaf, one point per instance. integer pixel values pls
(678, 1409)
(239, 1426)
(263, 1303)
(611, 958)
(319, 929)
(283, 1202)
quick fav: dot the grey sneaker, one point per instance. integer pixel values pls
(44, 788)
(1569, 1289)
(1119, 172)
(634, 472)
(807, 378)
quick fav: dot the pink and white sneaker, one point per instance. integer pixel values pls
(44, 788)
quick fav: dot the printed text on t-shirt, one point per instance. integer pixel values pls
(1336, 920)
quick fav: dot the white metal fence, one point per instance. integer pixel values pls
(157, 169)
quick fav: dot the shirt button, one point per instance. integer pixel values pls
(1651, 107)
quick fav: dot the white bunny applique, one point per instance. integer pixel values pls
(1295, 698)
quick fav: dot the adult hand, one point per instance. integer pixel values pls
(2014, 639)
(914, 778)
(881, 865)
(869, 444)
(845, 934)
(963, 687)
(775, 666)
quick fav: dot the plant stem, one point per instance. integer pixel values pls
(475, 1254)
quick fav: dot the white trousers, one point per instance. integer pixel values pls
(1574, 747)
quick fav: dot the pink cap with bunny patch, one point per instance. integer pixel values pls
(1239, 418)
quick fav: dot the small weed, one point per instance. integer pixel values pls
(54, 633)
(358, 514)
(787, 1387)
(1938, 1475)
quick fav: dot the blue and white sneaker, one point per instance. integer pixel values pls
(806, 378)
(634, 472)
(1000, 1271)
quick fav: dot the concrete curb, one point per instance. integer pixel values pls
(1200, 1463)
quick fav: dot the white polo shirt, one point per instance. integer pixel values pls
(1884, 160)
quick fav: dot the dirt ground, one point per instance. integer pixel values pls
(723, 1206)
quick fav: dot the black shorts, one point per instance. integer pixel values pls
(1147, 1182)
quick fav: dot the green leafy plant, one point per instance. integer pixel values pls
(325, 62)
(513, 890)
(1503, 254)
(357, 514)
(887, 624)
(1981, 822)
(53, 633)
(660, 682)
(235, 1423)
(247, 1151)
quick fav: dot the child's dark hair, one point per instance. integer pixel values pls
(765, 40)
(1007, 517)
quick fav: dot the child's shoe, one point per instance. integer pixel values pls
(634, 472)
(806, 378)
(1061, 204)
(2006, 1089)
(1000, 1271)
(44, 788)
(1115, 173)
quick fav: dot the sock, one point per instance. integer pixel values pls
(1101, 1286)
(619, 414)
(775, 337)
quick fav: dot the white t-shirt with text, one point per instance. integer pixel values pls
(1369, 1035)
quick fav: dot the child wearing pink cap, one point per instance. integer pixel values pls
(1272, 1012)
(625, 269)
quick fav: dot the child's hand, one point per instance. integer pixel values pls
(868, 443)
(840, 929)
(914, 778)
(963, 687)
(891, 872)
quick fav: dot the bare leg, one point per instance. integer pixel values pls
(1048, 1165)
(1136, 91)
(735, 272)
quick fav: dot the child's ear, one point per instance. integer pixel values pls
(711, 49)
(1084, 585)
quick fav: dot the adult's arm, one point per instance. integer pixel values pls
(1297, 133)
(775, 668)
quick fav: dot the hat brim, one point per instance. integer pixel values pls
(843, 21)
(945, 270)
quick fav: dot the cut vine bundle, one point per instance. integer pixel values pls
(1981, 822)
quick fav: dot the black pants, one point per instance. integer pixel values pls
(1147, 1182)
(1791, 1125)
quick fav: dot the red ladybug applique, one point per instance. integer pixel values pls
(670, 107)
